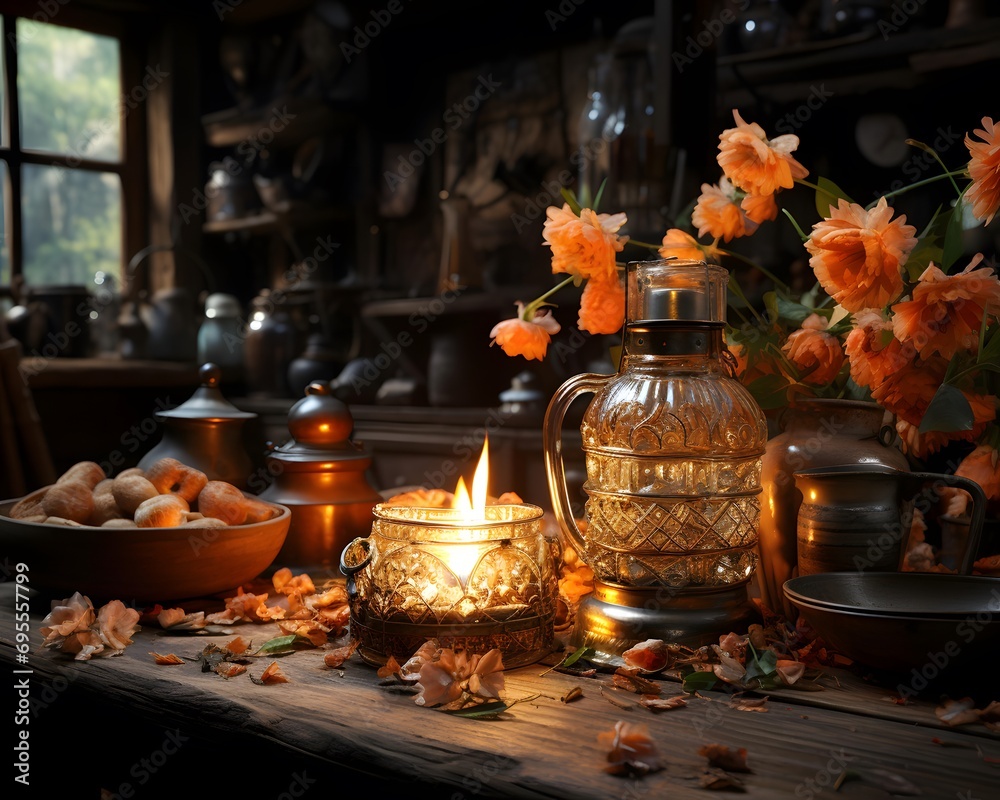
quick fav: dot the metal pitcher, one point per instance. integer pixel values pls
(857, 517)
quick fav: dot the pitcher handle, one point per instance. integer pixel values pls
(555, 469)
(978, 512)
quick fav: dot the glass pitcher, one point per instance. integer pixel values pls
(673, 444)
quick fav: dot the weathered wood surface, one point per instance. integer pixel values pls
(540, 748)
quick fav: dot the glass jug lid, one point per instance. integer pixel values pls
(675, 289)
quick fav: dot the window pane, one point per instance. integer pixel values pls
(72, 225)
(4, 238)
(69, 89)
(3, 99)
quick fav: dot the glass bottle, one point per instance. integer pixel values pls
(595, 130)
(673, 445)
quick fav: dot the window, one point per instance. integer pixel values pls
(62, 153)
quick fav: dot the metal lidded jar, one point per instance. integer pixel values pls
(206, 432)
(321, 475)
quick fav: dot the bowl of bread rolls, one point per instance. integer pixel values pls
(161, 534)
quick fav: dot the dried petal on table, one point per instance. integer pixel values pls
(169, 617)
(83, 644)
(741, 703)
(574, 693)
(957, 712)
(272, 674)
(236, 646)
(334, 617)
(728, 758)
(630, 749)
(790, 671)
(229, 669)
(307, 629)
(652, 655)
(634, 683)
(716, 780)
(728, 669)
(654, 703)
(735, 645)
(167, 659)
(337, 657)
(487, 678)
(116, 624)
(67, 616)
(390, 668)
(410, 671)
(335, 595)
(286, 583)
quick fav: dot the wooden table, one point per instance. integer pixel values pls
(131, 728)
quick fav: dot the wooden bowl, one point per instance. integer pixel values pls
(141, 565)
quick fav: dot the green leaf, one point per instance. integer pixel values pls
(949, 410)
(791, 311)
(484, 711)
(600, 194)
(570, 198)
(828, 195)
(991, 352)
(770, 391)
(697, 679)
(575, 656)
(953, 236)
(283, 644)
(761, 666)
(926, 251)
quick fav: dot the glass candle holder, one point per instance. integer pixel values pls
(431, 573)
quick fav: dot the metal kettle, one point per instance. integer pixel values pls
(164, 328)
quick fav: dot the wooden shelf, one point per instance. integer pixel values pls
(284, 123)
(853, 64)
(269, 221)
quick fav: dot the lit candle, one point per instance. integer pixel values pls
(477, 574)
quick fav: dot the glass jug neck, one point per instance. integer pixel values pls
(672, 338)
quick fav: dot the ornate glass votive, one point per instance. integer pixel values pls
(431, 573)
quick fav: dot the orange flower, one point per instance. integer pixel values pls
(519, 337)
(857, 254)
(907, 391)
(682, 244)
(873, 352)
(602, 306)
(718, 214)
(947, 311)
(583, 246)
(982, 465)
(759, 207)
(924, 444)
(816, 353)
(755, 164)
(984, 169)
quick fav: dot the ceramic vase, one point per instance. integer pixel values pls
(812, 433)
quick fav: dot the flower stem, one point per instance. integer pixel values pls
(534, 305)
(933, 179)
(777, 281)
(645, 244)
(795, 225)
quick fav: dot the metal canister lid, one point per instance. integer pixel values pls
(321, 427)
(207, 403)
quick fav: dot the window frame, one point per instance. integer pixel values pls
(131, 168)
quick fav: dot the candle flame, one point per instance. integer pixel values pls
(474, 506)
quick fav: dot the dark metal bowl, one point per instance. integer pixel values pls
(905, 621)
